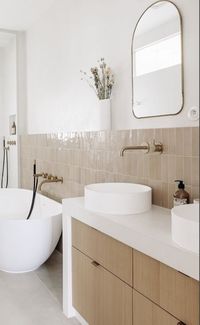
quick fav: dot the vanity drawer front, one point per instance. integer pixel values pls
(173, 291)
(99, 296)
(111, 254)
(146, 312)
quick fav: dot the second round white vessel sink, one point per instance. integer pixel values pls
(118, 198)
(185, 226)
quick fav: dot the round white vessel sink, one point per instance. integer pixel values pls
(185, 226)
(118, 198)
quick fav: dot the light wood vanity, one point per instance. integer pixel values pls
(114, 284)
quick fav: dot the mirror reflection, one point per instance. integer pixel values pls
(157, 62)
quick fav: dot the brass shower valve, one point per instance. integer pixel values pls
(49, 177)
(11, 143)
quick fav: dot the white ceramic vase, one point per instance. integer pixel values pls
(104, 114)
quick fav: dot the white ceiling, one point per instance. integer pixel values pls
(21, 14)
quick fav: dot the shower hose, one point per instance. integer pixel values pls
(5, 164)
(35, 186)
(35, 182)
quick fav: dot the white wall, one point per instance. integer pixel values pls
(21, 83)
(9, 84)
(1, 105)
(8, 106)
(1, 89)
(73, 35)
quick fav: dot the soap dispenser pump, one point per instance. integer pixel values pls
(181, 197)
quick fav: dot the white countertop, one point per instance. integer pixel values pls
(149, 233)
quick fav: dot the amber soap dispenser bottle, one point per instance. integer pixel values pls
(181, 197)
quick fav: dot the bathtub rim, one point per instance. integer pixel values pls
(42, 196)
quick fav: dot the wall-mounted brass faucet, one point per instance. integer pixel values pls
(146, 147)
(48, 179)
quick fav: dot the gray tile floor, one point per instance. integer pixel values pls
(34, 298)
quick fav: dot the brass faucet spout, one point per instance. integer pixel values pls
(146, 147)
(130, 148)
(48, 181)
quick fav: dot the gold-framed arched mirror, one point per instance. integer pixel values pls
(157, 62)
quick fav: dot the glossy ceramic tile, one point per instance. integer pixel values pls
(90, 157)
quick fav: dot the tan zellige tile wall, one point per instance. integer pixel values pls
(90, 157)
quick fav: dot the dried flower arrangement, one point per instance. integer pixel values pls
(102, 80)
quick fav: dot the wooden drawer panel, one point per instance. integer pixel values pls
(173, 291)
(99, 296)
(147, 313)
(84, 287)
(111, 254)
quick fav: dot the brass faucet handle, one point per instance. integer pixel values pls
(58, 180)
(158, 146)
(155, 147)
(50, 177)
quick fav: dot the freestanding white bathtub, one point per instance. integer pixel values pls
(27, 244)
